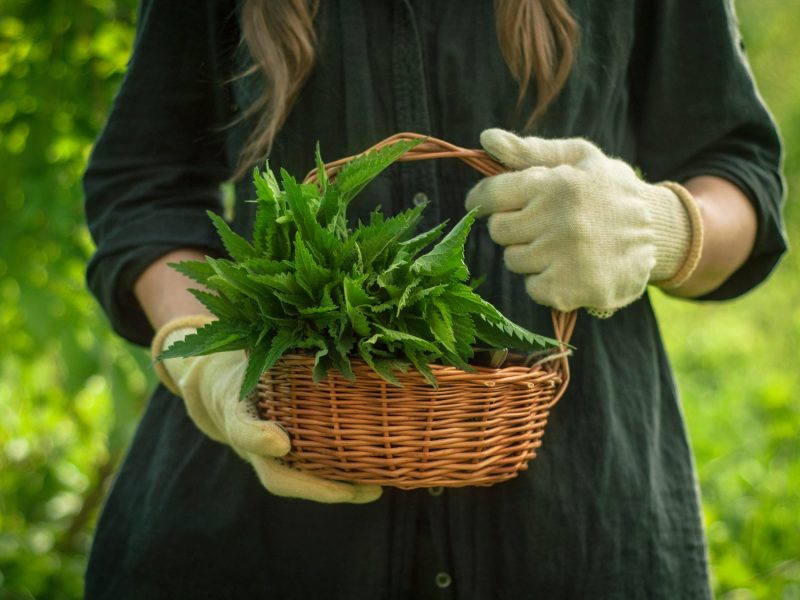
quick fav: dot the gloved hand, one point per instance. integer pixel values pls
(584, 228)
(209, 385)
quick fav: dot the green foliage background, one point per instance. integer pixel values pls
(70, 391)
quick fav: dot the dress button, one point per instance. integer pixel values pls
(443, 580)
(436, 491)
(420, 198)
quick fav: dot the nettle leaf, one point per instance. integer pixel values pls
(311, 276)
(329, 209)
(320, 240)
(265, 229)
(384, 367)
(296, 202)
(463, 300)
(506, 334)
(354, 293)
(220, 306)
(264, 355)
(266, 185)
(211, 338)
(356, 174)
(282, 282)
(408, 292)
(355, 298)
(195, 270)
(419, 242)
(420, 362)
(266, 266)
(441, 324)
(464, 332)
(383, 307)
(406, 339)
(425, 294)
(236, 276)
(380, 234)
(238, 247)
(447, 257)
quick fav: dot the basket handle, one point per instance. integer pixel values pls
(481, 161)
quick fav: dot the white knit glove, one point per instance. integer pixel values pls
(209, 385)
(583, 227)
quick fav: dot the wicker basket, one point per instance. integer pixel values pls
(475, 429)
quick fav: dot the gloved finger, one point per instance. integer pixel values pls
(520, 153)
(551, 288)
(505, 192)
(515, 227)
(544, 289)
(282, 480)
(249, 433)
(527, 259)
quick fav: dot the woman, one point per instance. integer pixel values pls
(610, 507)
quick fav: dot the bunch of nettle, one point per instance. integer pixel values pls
(308, 283)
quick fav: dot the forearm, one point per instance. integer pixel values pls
(162, 291)
(729, 230)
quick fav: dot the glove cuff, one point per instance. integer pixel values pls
(677, 256)
(156, 347)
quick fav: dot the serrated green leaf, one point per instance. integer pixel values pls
(328, 209)
(341, 362)
(356, 174)
(447, 257)
(282, 282)
(266, 266)
(506, 334)
(222, 308)
(196, 270)
(464, 332)
(425, 294)
(292, 303)
(419, 242)
(321, 242)
(263, 356)
(266, 185)
(463, 300)
(421, 364)
(318, 311)
(211, 338)
(322, 174)
(441, 324)
(407, 339)
(265, 231)
(236, 276)
(383, 307)
(407, 294)
(383, 366)
(355, 297)
(377, 237)
(238, 247)
(311, 276)
(354, 291)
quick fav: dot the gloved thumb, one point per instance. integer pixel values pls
(248, 433)
(520, 153)
(282, 480)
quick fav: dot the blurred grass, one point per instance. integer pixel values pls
(70, 391)
(738, 367)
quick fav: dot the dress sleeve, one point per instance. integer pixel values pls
(159, 161)
(698, 112)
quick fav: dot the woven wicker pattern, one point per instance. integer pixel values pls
(476, 428)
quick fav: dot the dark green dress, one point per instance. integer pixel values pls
(610, 507)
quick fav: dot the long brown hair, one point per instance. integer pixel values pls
(537, 38)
